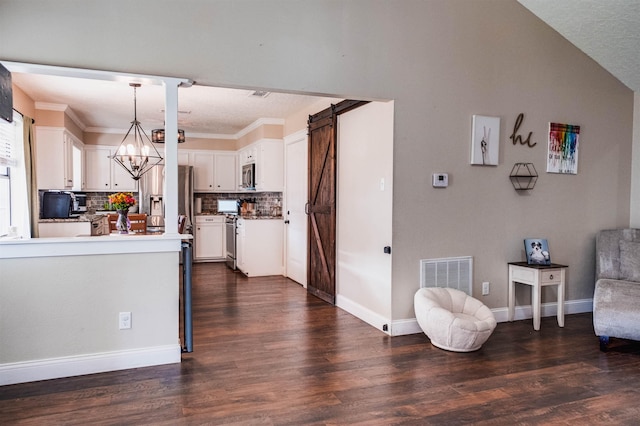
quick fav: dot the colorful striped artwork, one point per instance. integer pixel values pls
(562, 153)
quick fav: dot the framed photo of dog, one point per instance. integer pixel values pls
(537, 250)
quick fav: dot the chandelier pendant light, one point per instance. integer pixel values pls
(157, 136)
(136, 154)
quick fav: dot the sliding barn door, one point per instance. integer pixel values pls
(321, 207)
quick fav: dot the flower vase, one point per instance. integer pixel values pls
(122, 224)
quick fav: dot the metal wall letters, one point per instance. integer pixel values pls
(517, 138)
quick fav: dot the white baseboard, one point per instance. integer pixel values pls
(406, 326)
(54, 368)
(365, 314)
(546, 310)
(410, 326)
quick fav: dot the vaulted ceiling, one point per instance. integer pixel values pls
(606, 30)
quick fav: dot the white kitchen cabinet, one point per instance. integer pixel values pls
(214, 171)
(268, 156)
(203, 164)
(210, 241)
(259, 247)
(270, 166)
(97, 168)
(225, 171)
(121, 180)
(102, 173)
(183, 158)
(54, 157)
(63, 229)
(248, 154)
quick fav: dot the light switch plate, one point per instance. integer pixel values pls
(440, 180)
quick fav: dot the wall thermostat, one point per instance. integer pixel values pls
(440, 180)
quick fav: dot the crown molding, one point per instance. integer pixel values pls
(259, 122)
(210, 136)
(106, 130)
(115, 131)
(48, 106)
(256, 124)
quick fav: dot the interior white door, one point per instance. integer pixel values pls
(295, 199)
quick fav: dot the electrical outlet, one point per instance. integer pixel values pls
(125, 320)
(485, 288)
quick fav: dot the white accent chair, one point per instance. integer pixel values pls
(452, 319)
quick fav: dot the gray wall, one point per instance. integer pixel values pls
(68, 306)
(441, 61)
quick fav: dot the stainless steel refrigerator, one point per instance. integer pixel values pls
(151, 194)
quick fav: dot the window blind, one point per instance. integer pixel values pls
(7, 138)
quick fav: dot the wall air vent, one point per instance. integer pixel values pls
(451, 272)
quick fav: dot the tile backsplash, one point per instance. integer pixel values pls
(265, 201)
(97, 200)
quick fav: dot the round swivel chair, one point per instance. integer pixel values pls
(452, 319)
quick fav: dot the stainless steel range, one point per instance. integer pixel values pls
(230, 208)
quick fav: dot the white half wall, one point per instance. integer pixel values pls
(59, 314)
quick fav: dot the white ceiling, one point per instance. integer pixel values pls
(108, 106)
(608, 31)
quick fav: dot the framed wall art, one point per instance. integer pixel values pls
(485, 140)
(562, 151)
(537, 250)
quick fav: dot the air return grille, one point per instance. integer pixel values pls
(451, 272)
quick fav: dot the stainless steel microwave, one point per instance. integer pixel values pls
(249, 176)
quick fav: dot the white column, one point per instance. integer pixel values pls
(171, 156)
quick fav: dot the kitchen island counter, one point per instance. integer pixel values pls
(87, 245)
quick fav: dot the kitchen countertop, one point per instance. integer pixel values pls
(81, 218)
(243, 216)
(251, 217)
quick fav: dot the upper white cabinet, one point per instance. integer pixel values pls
(203, 164)
(104, 174)
(268, 156)
(225, 171)
(54, 156)
(248, 155)
(214, 171)
(97, 166)
(183, 158)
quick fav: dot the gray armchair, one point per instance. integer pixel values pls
(616, 300)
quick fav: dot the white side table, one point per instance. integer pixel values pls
(536, 276)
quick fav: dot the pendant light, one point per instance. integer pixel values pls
(157, 136)
(136, 154)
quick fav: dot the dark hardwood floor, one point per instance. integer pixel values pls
(267, 353)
